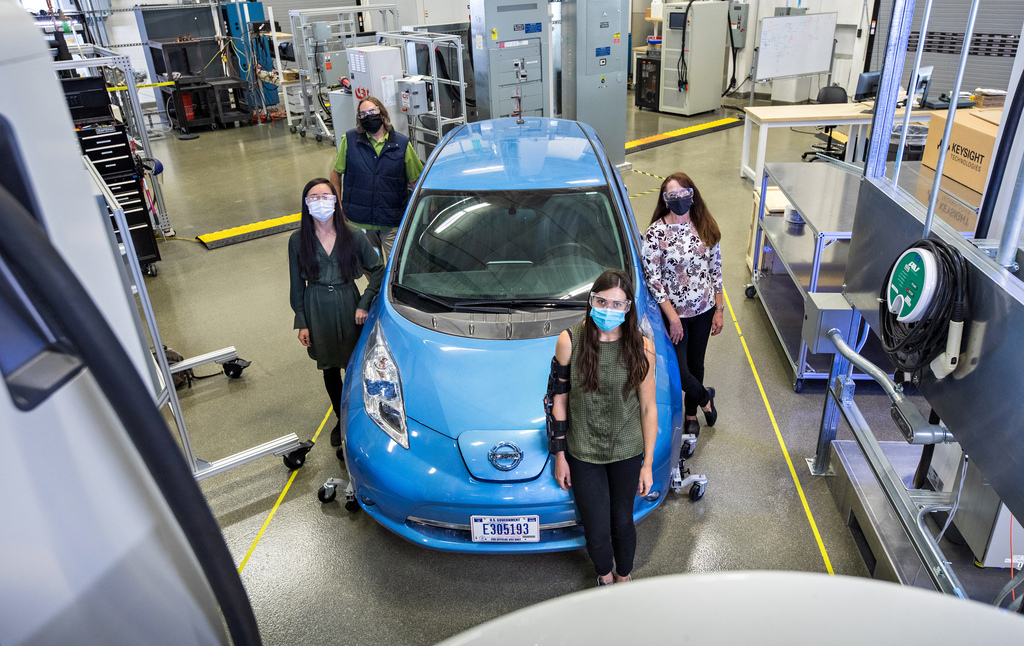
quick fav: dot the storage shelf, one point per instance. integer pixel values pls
(825, 196)
(796, 253)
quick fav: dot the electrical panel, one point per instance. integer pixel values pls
(412, 95)
(510, 44)
(595, 54)
(321, 31)
(738, 16)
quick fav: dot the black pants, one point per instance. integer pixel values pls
(333, 383)
(690, 354)
(604, 496)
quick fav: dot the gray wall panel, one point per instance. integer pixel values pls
(950, 16)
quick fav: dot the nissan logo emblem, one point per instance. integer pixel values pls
(505, 456)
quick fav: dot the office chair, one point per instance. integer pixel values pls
(828, 94)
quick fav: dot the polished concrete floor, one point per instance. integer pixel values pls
(320, 575)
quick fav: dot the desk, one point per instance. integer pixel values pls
(820, 114)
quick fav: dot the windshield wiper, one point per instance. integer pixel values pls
(448, 306)
(525, 302)
(436, 300)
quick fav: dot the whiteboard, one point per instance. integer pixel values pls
(795, 45)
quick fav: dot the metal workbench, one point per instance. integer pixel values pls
(794, 260)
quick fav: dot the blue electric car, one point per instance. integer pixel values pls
(442, 410)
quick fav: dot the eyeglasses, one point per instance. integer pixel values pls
(605, 304)
(330, 199)
(672, 195)
(366, 113)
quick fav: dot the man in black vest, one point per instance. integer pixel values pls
(374, 173)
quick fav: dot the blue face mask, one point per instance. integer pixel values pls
(607, 319)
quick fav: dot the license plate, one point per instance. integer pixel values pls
(505, 529)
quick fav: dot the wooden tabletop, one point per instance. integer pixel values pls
(822, 111)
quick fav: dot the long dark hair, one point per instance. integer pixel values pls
(631, 349)
(701, 216)
(344, 252)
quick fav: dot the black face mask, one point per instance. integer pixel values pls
(680, 205)
(371, 123)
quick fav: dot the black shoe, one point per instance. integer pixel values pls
(691, 427)
(710, 417)
(600, 582)
(336, 434)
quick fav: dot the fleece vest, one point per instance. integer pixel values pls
(375, 188)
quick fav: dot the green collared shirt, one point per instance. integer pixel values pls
(413, 165)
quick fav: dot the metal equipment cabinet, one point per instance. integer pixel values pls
(797, 260)
(648, 82)
(106, 145)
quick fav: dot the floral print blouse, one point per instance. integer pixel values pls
(680, 268)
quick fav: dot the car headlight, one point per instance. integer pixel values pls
(382, 389)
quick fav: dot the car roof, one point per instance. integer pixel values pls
(500, 154)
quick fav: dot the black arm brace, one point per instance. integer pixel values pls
(558, 384)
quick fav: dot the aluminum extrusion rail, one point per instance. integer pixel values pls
(910, 507)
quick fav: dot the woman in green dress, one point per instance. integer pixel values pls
(325, 257)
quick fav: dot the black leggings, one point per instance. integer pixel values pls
(604, 496)
(690, 354)
(333, 383)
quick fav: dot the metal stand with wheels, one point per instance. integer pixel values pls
(682, 479)
(345, 27)
(166, 395)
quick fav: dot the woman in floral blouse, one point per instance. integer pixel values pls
(683, 265)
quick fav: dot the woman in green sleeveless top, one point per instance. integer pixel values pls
(613, 422)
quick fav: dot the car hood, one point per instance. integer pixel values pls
(454, 384)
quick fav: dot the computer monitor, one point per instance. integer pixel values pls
(867, 86)
(924, 83)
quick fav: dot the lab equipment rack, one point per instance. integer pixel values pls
(106, 144)
(96, 59)
(793, 260)
(346, 26)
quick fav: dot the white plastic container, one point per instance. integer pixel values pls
(656, 9)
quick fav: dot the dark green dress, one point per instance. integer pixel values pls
(327, 306)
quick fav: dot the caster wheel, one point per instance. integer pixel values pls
(151, 270)
(233, 369)
(334, 142)
(351, 506)
(294, 460)
(686, 451)
(750, 291)
(798, 386)
(340, 453)
(696, 492)
(319, 138)
(292, 129)
(327, 495)
(302, 133)
(213, 126)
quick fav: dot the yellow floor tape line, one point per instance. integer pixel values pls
(284, 492)
(782, 443)
(250, 231)
(680, 132)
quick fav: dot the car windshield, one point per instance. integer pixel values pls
(510, 245)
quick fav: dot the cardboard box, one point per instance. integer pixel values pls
(289, 75)
(970, 145)
(954, 212)
(775, 204)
